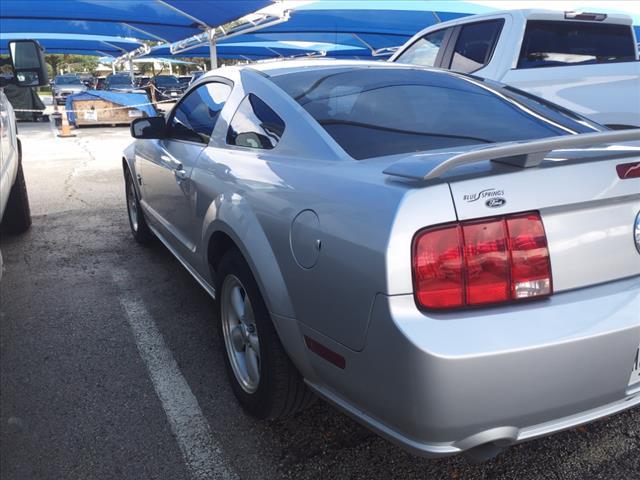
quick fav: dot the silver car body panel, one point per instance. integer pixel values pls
(435, 383)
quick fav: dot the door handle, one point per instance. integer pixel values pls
(180, 173)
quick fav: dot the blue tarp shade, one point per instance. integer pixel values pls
(74, 44)
(353, 27)
(378, 24)
(148, 19)
(138, 100)
(263, 50)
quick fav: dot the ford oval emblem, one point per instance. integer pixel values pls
(636, 232)
(495, 202)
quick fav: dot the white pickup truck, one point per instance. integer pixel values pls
(27, 63)
(585, 62)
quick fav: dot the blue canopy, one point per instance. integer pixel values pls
(74, 44)
(363, 24)
(262, 50)
(354, 28)
(167, 20)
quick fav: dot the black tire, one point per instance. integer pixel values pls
(281, 391)
(17, 214)
(138, 224)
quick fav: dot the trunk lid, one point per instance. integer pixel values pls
(589, 213)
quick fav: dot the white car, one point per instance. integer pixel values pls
(585, 62)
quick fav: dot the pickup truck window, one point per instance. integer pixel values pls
(555, 43)
(424, 51)
(475, 45)
(195, 116)
(255, 125)
(376, 111)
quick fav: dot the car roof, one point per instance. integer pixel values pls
(282, 67)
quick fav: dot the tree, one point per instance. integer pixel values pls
(71, 63)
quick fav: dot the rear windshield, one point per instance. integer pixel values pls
(165, 81)
(67, 81)
(552, 44)
(378, 111)
(122, 80)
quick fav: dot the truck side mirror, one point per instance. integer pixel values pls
(148, 127)
(27, 60)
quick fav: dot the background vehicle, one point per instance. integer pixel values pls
(185, 79)
(121, 82)
(350, 222)
(65, 85)
(27, 62)
(166, 87)
(142, 80)
(88, 80)
(585, 62)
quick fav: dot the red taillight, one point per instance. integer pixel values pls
(481, 262)
(437, 266)
(628, 170)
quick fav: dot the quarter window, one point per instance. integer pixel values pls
(475, 45)
(424, 51)
(255, 125)
(196, 115)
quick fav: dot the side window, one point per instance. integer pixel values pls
(195, 116)
(255, 125)
(475, 45)
(425, 50)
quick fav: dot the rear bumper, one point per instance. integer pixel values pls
(442, 384)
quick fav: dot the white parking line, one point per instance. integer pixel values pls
(202, 455)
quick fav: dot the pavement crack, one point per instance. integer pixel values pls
(69, 190)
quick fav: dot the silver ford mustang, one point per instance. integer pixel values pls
(453, 262)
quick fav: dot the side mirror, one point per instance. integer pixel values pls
(149, 127)
(27, 60)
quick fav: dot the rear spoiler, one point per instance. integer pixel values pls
(524, 154)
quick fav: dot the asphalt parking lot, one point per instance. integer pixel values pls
(79, 387)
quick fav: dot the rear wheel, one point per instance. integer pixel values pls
(139, 228)
(263, 378)
(17, 214)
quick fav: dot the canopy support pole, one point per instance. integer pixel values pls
(131, 70)
(213, 49)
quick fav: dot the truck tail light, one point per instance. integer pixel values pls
(474, 263)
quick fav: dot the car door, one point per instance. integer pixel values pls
(168, 194)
